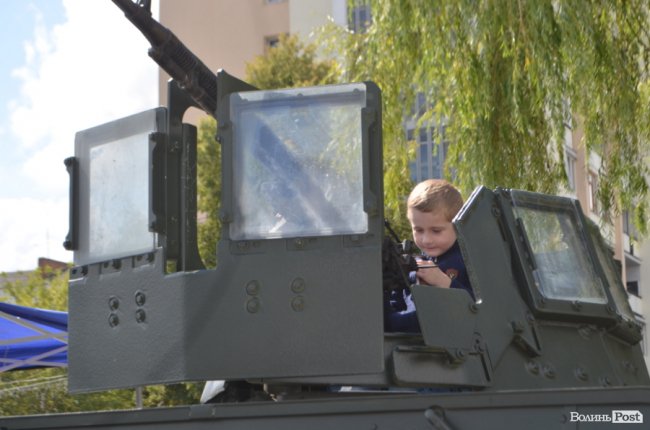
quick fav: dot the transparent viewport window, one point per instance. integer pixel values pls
(298, 167)
(119, 198)
(114, 209)
(564, 268)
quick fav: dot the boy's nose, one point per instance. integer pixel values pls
(427, 238)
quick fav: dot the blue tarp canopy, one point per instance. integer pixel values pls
(31, 337)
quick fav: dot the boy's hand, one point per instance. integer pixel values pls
(432, 275)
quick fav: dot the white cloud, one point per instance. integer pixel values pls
(32, 228)
(91, 69)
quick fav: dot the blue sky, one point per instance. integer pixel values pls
(18, 22)
(67, 65)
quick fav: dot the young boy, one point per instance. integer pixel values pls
(430, 208)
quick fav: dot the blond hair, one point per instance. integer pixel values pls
(436, 195)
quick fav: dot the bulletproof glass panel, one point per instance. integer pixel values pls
(114, 175)
(563, 268)
(297, 162)
(119, 197)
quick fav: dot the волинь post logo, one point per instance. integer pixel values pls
(616, 417)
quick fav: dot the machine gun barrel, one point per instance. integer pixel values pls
(173, 56)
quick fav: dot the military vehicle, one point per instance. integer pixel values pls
(295, 306)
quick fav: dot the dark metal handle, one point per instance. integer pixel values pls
(71, 242)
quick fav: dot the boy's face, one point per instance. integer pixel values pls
(432, 233)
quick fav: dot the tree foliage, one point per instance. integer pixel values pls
(209, 190)
(42, 288)
(506, 77)
(291, 63)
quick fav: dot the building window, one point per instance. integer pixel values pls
(431, 139)
(431, 153)
(633, 288)
(628, 226)
(425, 137)
(422, 105)
(423, 166)
(592, 184)
(360, 17)
(570, 160)
(271, 42)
